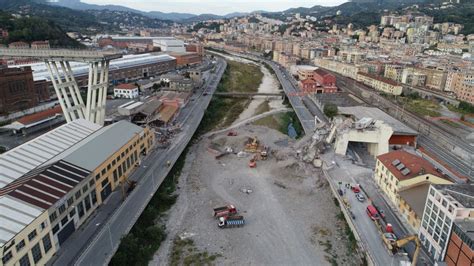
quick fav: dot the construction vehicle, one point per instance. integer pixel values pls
(252, 145)
(253, 162)
(231, 221)
(264, 153)
(404, 241)
(232, 133)
(225, 211)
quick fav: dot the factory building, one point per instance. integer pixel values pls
(50, 185)
(129, 67)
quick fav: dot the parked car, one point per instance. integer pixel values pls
(360, 197)
(355, 189)
(340, 192)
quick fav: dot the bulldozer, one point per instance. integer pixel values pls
(252, 145)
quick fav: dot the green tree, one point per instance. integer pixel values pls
(330, 110)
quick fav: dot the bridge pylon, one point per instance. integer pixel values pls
(64, 83)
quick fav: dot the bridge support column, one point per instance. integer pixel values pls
(97, 91)
(66, 88)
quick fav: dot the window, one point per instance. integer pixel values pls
(432, 192)
(85, 188)
(80, 209)
(97, 177)
(108, 167)
(435, 209)
(70, 201)
(43, 225)
(32, 235)
(87, 202)
(105, 182)
(46, 243)
(78, 194)
(450, 209)
(444, 203)
(115, 175)
(7, 257)
(25, 260)
(20, 245)
(62, 209)
(93, 197)
(53, 216)
(72, 213)
(36, 252)
(103, 171)
(113, 162)
(55, 229)
(91, 183)
(64, 221)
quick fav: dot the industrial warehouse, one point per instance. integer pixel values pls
(52, 184)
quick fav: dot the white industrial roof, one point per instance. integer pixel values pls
(40, 71)
(32, 154)
(15, 216)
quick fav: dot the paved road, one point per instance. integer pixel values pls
(96, 242)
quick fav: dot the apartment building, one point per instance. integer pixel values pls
(345, 69)
(405, 179)
(464, 87)
(435, 78)
(444, 205)
(394, 72)
(380, 83)
(413, 78)
(460, 249)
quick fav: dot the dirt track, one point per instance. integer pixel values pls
(290, 214)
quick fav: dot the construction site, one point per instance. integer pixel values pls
(268, 191)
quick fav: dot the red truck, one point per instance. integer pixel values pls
(225, 211)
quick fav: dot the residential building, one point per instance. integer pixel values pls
(305, 72)
(19, 45)
(40, 45)
(394, 72)
(404, 177)
(128, 91)
(460, 249)
(413, 78)
(444, 205)
(380, 83)
(463, 86)
(182, 85)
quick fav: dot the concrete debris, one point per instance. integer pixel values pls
(246, 190)
(242, 154)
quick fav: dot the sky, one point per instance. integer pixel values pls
(218, 7)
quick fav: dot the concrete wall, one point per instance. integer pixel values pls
(377, 139)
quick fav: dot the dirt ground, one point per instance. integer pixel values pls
(290, 215)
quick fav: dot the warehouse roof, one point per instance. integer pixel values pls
(40, 71)
(24, 200)
(360, 112)
(98, 147)
(32, 154)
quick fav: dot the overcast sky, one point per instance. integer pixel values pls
(219, 7)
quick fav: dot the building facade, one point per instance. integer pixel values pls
(460, 250)
(17, 90)
(444, 204)
(403, 176)
(127, 91)
(379, 83)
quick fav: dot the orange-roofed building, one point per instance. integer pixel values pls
(405, 178)
(37, 121)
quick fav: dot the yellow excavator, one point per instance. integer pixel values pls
(404, 241)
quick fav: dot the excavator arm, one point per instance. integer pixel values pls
(402, 242)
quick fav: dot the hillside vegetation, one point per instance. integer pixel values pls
(29, 29)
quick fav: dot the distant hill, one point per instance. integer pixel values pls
(29, 29)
